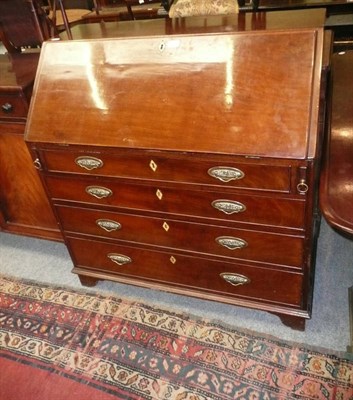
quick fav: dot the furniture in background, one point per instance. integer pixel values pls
(130, 4)
(332, 6)
(188, 192)
(336, 189)
(143, 9)
(121, 10)
(260, 21)
(24, 207)
(67, 16)
(336, 186)
(28, 23)
(23, 24)
(189, 8)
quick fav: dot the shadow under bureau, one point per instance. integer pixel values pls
(187, 163)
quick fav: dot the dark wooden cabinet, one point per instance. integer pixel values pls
(187, 163)
(24, 207)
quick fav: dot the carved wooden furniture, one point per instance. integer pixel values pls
(336, 190)
(187, 163)
(24, 207)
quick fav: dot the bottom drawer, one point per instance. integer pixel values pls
(222, 278)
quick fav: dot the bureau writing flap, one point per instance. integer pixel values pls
(246, 93)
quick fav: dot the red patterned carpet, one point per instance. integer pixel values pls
(57, 343)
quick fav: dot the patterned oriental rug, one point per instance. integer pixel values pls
(61, 344)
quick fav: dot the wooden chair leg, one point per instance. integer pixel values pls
(65, 19)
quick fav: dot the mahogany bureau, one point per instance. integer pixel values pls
(187, 163)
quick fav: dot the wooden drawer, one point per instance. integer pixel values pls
(225, 207)
(183, 271)
(188, 169)
(12, 105)
(236, 244)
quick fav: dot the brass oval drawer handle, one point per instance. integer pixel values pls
(89, 163)
(228, 206)
(98, 191)
(119, 259)
(226, 174)
(235, 279)
(7, 108)
(231, 243)
(108, 225)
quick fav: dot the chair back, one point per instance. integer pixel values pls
(23, 24)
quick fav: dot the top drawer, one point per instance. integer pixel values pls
(12, 106)
(183, 168)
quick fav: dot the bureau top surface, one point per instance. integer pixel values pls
(251, 93)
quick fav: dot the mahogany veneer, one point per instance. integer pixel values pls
(187, 163)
